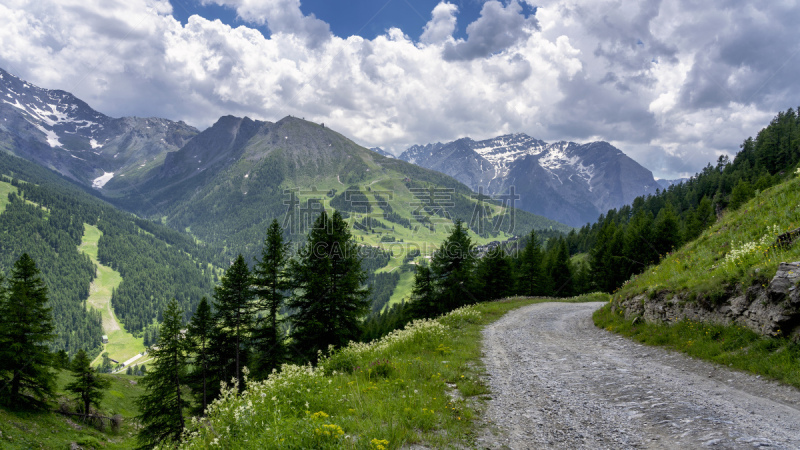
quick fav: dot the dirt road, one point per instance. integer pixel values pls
(559, 382)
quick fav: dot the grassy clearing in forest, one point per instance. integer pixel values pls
(421, 385)
(734, 346)
(5, 189)
(121, 344)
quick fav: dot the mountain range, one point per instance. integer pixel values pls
(225, 183)
(565, 181)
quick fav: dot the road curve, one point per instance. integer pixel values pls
(557, 381)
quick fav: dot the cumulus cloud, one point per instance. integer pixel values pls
(672, 83)
(498, 28)
(281, 16)
(442, 25)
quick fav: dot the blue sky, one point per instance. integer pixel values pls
(672, 83)
(365, 18)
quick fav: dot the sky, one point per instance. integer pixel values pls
(673, 84)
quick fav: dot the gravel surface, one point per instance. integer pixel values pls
(558, 381)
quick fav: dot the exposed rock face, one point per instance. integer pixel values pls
(770, 310)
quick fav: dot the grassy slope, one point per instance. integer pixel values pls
(24, 430)
(424, 387)
(700, 269)
(5, 189)
(121, 344)
(700, 266)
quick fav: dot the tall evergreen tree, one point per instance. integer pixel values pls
(270, 281)
(560, 269)
(531, 276)
(494, 275)
(199, 333)
(423, 303)
(234, 304)
(26, 326)
(667, 230)
(88, 385)
(161, 406)
(452, 267)
(330, 298)
(639, 243)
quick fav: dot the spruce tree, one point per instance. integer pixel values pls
(26, 327)
(423, 303)
(330, 297)
(161, 406)
(531, 277)
(494, 275)
(88, 385)
(234, 304)
(451, 268)
(667, 230)
(270, 281)
(560, 269)
(639, 247)
(199, 333)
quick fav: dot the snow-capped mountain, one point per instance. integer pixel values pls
(564, 181)
(58, 130)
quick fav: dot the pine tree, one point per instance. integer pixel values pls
(270, 281)
(330, 298)
(234, 304)
(61, 359)
(495, 275)
(423, 299)
(451, 268)
(639, 244)
(26, 326)
(199, 332)
(531, 276)
(667, 230)
(88, 385)
(560, 269)
(161, 406)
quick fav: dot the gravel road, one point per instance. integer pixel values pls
(557, 381)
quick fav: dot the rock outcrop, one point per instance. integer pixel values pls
(771, 310)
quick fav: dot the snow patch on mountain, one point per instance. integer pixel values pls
(101, 181)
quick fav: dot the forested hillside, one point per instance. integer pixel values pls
(44, 215)
(624, 242)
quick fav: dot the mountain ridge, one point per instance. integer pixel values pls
(565, 181)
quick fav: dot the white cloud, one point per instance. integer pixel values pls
(587, 73)
(281, 16)
(442, 25)
(498, 28)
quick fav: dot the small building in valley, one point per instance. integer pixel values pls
(105, 339)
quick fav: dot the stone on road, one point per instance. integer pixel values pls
(557, 381)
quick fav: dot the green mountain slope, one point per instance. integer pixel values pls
(735, 250)
(227, 183)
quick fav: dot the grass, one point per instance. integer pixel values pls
(121, 344)
(734, 346)
(403, 289)
(701, 266)
(5, 189)
(420, 386)
(24, 430)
